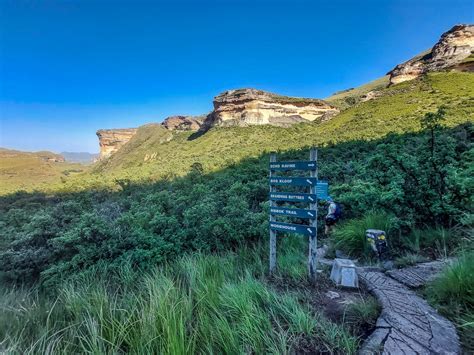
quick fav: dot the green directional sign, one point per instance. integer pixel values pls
(292, 197)
(293, 181)
(322, 190)
(293, 165)
(293, 228)
(293, 212)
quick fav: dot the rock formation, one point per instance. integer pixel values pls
(246, 107)
(110, 140)
(183, 123)
(451, 50)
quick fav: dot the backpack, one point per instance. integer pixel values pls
(338, 211)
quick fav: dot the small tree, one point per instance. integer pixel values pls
(432, 122)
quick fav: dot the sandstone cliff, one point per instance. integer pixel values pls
(246, 107)
(183, 123)
(451, 51)
(110, 140)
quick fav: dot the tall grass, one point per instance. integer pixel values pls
(453, 294)
(350, 236)
(198, 304)
(439, 242)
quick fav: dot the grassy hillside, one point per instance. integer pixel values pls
(398, 110)
(347, 98)
(29, 171)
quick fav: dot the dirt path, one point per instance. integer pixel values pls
(407, 324)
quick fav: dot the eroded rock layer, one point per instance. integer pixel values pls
(183, 123)
(110, 140)
(451, 51)
(246, 107)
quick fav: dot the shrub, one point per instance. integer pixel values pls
(350, 236)
(453, 294)
(436, 242)
(455, 286)
(362, 315)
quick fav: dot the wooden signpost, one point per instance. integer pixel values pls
(317, 190)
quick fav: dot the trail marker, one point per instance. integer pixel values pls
(292, 197)
(293, 212)
(317, 190)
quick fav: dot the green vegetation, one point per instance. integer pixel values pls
(435, 242)
(29, 171)
(197, 304)
(347, 98)
(362, 315)
(49, 238)
(453, 294)
(350, 237)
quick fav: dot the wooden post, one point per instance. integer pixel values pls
(273, 240)
(313, 240)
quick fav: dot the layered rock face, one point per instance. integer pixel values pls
(110, 140)
(183, 123)
(246, 107)
(451, 50)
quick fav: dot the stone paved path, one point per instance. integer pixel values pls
(418, 275)
(407, 324)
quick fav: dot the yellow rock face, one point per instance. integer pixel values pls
(111, 140)
(246, 107)
(453, 47)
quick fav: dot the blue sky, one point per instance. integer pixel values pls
(68, 68)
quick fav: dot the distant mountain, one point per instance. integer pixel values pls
(80, 157)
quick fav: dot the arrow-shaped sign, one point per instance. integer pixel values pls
(292, 197)
(293, 228)
(293, 212)
(293, 165)
(293, 181)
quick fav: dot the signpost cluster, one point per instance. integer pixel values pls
(317, 190)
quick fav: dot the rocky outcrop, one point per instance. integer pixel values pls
(183, 123)
(451, 50)
(111, 140)
(246, 107)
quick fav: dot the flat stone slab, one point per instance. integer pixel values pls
(418, 275)
(344, 273)
(407, 324)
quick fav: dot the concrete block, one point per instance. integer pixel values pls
(344, 273)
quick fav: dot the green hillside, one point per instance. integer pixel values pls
(347, 98)
(29, 171)
(397, 110)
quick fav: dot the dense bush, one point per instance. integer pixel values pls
(56, 236)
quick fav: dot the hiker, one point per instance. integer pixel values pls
(334, 213)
